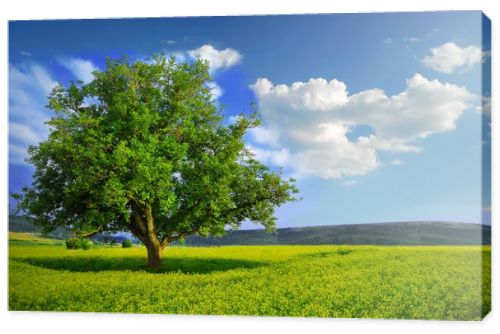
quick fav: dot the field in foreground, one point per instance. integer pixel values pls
(423, 282)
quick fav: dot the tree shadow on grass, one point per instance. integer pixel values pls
(187, 265)
(323, 254)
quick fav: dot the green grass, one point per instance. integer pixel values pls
(31, 239)
(423, 282)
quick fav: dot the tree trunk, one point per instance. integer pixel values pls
(143, 227)
(153, 255)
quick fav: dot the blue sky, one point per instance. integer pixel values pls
(377, 115)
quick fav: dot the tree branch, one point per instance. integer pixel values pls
(91, 233)
(169, 238)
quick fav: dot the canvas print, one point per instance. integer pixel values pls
(333, 165)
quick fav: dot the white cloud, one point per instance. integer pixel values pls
(449, 57)
(217, 59)
(180, 57)
(396, 162)
(262, 135)
(388, 40)
(311, 120)
(81, 68)
(216, 90)
(350, 182)
(277, 157)
(30, 77)
(316, 94)
(24, 133)
(25, 53)
(29, 86)
(17, 154)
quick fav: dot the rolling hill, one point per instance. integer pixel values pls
(22, 224)
(396, 233)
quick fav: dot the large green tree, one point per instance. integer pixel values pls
(143, 148)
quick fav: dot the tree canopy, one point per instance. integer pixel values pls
(144, 148)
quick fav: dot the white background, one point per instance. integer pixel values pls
(70, 323)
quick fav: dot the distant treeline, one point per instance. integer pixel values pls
(23, 224)
(394, 233)
(397, 233)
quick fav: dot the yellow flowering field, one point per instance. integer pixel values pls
(422, 282)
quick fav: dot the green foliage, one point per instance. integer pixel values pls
(396, 282)
(78, 243)
(127, 243)
(343, 251)
(85, 243)
(32, 239)
(73, 243)
(143, 147)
